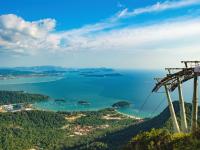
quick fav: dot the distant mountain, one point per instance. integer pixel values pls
(7, 72)
(57, 68)
(12, 71)
(31, 71)
(41, 68)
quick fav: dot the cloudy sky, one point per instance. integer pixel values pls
(140, 34)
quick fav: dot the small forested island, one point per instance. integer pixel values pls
(83, 102)
(59, 100)
(113, 74)
(13, 97)
(121, 104)
(101, 75)
(99, 72)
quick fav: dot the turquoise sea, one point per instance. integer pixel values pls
(133, 86)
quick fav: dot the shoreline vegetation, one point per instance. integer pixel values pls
(12, 101)
(14, 97)
(105, 129)
(130, 116)
(58, 130)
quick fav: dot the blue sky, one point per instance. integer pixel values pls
(99, 33)
(68, 13)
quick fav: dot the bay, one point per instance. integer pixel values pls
(101, 92)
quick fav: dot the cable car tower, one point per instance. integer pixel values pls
(174, 79)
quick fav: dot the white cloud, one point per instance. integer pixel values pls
(22, 36)
(163, 35)
(159, 7)
(123, 13)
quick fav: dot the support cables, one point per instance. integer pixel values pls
(145, 101)
(157, 107)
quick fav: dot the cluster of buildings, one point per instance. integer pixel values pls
(11, 108)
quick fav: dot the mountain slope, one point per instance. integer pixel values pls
(117, 140)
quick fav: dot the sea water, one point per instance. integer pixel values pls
(101, 92)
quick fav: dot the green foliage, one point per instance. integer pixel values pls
(32, 119)
(163, 124)
(95, 118)
(162, 139)
(44, 130)
(98, 146)
(154, 139)
(29, 129)
(12, 97)
(117, 140)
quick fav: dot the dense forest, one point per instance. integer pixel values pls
(162, 139)
(93, 130)
(119, 139)
(58, 130)
(30, 129)
(12, 97)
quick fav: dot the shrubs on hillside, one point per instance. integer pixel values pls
(162, 139)
(98, 146)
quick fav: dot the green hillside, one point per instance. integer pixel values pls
(118, 140)
(13, 97)
(163, 138)
(58, 130)
(93, 130)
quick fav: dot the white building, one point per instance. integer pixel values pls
(8, 107)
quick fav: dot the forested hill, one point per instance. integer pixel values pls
(30, 130)
(13, 97)
(102, 130)
(161, 137)
(118, 139)
(36, 129)
(163, 119)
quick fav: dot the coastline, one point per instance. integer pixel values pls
(19, 80)
(124, 114)
(130, 116)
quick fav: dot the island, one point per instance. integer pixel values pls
(83, 102)
(13, 97)
(101, 75)
(121, 104)
(12, 101)
(29, 72)
(59, 100)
